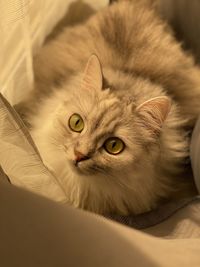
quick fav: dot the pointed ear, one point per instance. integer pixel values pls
(92, 78)
(153, 112)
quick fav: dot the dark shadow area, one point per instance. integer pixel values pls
(183, 15)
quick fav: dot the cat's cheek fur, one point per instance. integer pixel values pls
(131, 181)
(121, 190)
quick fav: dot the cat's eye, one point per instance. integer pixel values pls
(76, 123)
(114, 145)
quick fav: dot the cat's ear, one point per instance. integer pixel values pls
(153, 112)
(92, 78)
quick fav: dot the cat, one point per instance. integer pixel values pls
(113, 103)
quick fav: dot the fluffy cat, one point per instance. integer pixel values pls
(111, 109)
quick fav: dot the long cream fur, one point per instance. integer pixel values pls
(126, 75)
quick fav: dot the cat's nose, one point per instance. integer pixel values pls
(79, 157)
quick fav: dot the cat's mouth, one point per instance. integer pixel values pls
(85, 167)
(82, 167)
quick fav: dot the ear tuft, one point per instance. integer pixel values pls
(93, 78)
(154, 112)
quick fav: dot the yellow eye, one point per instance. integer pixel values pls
(114, 145)
(76, 123)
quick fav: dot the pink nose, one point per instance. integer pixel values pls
(79, 156)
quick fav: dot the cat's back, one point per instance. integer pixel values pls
(120, 34)
(129, 37)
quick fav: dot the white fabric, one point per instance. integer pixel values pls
(36, 232)
(19, 158)
(23, 26)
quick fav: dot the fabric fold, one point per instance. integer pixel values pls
(20, 159)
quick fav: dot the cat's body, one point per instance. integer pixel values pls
(144, 67)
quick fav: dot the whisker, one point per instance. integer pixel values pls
(109, 175)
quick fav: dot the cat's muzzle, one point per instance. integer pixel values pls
(79, 157)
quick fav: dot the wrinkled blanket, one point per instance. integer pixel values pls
(21, 165)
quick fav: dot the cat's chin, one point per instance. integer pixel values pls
(81, 169)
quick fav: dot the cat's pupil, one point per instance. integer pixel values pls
(114, 144)
(77, 122)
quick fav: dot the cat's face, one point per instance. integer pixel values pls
(98, 134)
(102, 145)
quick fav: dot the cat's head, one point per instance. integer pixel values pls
(107, 144)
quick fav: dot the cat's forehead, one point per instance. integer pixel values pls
(103, 110)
